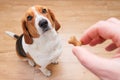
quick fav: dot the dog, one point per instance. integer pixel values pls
(39, 43)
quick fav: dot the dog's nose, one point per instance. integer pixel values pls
(43, 23)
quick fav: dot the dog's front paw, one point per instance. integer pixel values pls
(31, 62)
(46, 72)
(55, 62)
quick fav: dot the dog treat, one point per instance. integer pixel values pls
(74, 41)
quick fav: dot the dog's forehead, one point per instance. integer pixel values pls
(35, 10)
(29, 10)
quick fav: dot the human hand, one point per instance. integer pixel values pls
(101, 31)
(105, 69)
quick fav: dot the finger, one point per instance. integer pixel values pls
(114, 20)
(89, 35)
(97, 40)
(101, 29)
(91, 61)
(111, 47)
(117, 56)
(97, 30)
(86, 58)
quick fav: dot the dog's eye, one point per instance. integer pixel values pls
(44, 11)
(29, 18)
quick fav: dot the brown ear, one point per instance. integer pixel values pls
(57, 25)
(27, 36)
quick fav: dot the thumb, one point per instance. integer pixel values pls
(91, 61)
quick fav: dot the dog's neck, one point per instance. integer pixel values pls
(47, 39)
(47, 36)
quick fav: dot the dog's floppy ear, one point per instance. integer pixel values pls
(26, 33)
(57, 25)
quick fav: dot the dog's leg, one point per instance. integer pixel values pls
(55, 61)
(45, 71)
(31, 62)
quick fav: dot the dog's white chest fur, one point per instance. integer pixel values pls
(45, 49)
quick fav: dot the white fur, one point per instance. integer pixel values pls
(10, 34)
(45, 49)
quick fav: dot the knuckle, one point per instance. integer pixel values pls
(111, 19)
(100, 23)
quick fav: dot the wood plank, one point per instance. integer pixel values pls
(75, 16)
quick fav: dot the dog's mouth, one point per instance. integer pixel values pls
(46, 29)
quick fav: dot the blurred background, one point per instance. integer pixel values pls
(75, 16)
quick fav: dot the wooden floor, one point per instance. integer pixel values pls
(75, 16)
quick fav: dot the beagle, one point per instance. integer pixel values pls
(39, 43)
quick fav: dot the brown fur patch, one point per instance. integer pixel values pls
(31, 24)
(29, 29)
(56, 23)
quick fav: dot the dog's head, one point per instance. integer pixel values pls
(36, 21)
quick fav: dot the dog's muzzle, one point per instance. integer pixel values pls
(44, 25)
